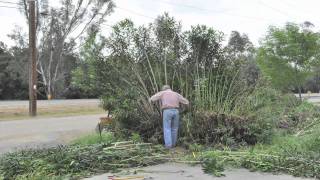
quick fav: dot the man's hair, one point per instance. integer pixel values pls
(165, 87)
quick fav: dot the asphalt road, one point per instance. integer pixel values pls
(44, 131)
(313, 97)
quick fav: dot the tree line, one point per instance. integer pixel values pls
(287, 56)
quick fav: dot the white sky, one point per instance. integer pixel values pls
(246, 16)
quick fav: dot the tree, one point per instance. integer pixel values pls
(240, 54)
(239, 49)
(13, 74)
(59, 29)
(287, 54)
(205, 48)
(4, 62)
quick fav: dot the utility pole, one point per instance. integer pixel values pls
(32, 60)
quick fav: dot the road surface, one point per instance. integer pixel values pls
(174, 171)
(313, 97)
(44, 131)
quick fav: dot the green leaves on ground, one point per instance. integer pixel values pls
(78, 161)
(296, 154)
(259, 160)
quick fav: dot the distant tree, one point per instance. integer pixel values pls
(84, 77)
(13, 74)
(20, 60)
(4, 62)
(313, 82)
(239, 48)
(239, 43)
(240, 54)
(205, 48)
(57, 30)
(287, 54)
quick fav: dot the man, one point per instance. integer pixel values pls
(170, 104)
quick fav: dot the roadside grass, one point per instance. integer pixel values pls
(55, 111)
(95, 138)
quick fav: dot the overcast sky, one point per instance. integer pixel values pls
(246, 16)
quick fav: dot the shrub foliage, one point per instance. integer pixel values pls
(230, 102)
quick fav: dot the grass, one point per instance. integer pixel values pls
(17, 113)
(95, 138)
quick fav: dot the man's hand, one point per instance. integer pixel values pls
(188, 106)
(184, 108)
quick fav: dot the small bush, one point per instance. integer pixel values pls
(210, 128)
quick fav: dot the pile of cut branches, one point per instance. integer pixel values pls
(214, 162)
(79, 161)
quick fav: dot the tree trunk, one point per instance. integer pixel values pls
(49, 92)
(298, 81)
(300, 96)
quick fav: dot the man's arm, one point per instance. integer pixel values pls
(183, 100)
(156, 97)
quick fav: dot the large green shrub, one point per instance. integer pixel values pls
(226, 106)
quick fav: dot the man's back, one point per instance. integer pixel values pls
(169, 99)
(170, 102)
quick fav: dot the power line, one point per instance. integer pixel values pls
(136, 13)
(108, 25)
(9, 7)
(7, 2)
(190, 6)
(273, 8)
(295, 6)
(84, 43)
(219, 12)
(283, 12)
(288, 3)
